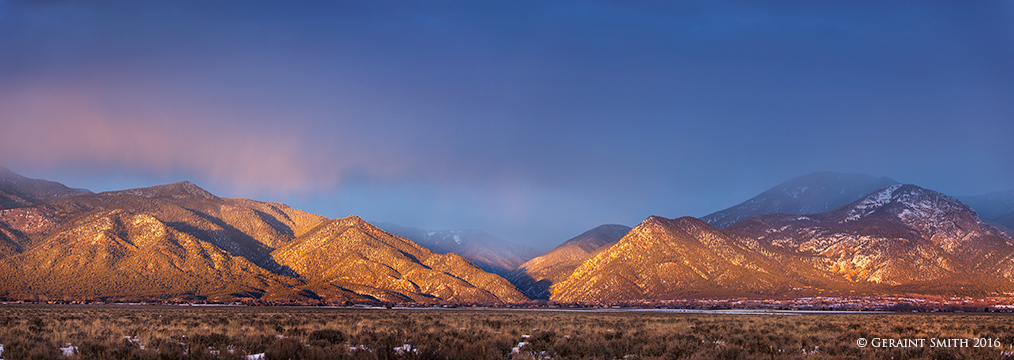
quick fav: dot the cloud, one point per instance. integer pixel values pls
(68, 127)
(505, 116)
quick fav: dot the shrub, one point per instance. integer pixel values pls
(331, 336)
(285, 349)
(31, 350)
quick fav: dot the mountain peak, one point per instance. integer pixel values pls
(655, 220)
(176, 190)
(807, 194)
(872, 202)
(190, 188)
(668, 259)
(354, 220)
(683, 221)
(907, 202)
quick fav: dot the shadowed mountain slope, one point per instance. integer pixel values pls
(17, 190)
(1006, 223)
(807, 194)
(536, 276)
(992, 205)
(996, 207)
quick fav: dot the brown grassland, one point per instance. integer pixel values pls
(184, 332)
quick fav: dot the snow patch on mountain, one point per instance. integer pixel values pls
(925, 210)
(871, 203)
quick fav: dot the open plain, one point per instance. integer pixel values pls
(30, 331)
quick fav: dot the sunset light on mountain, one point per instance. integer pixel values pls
(591, 179)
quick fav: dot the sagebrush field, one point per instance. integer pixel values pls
(199, 332)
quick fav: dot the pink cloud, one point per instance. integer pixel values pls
(71, 128)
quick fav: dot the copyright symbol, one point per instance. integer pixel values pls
(861, 342)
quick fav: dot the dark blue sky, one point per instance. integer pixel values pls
(533, 120)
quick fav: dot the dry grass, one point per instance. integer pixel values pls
(174, 332)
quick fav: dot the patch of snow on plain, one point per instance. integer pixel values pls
(457, 239)
(255, 357)
(406, 348)
(134, 340)
(517, 349)
(69, 350)
(359, 348)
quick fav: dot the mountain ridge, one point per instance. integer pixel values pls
(811, 193)
(903, 233)
(900, 239)
(180, 241)
(17, 190)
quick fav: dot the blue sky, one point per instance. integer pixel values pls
(534, 120)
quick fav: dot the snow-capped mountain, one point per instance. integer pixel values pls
(927, 211)
(485, 250)
(902, 235)
(807, 194)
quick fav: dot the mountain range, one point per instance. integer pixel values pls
(899, 239)
(179, 241)
(902, 236)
